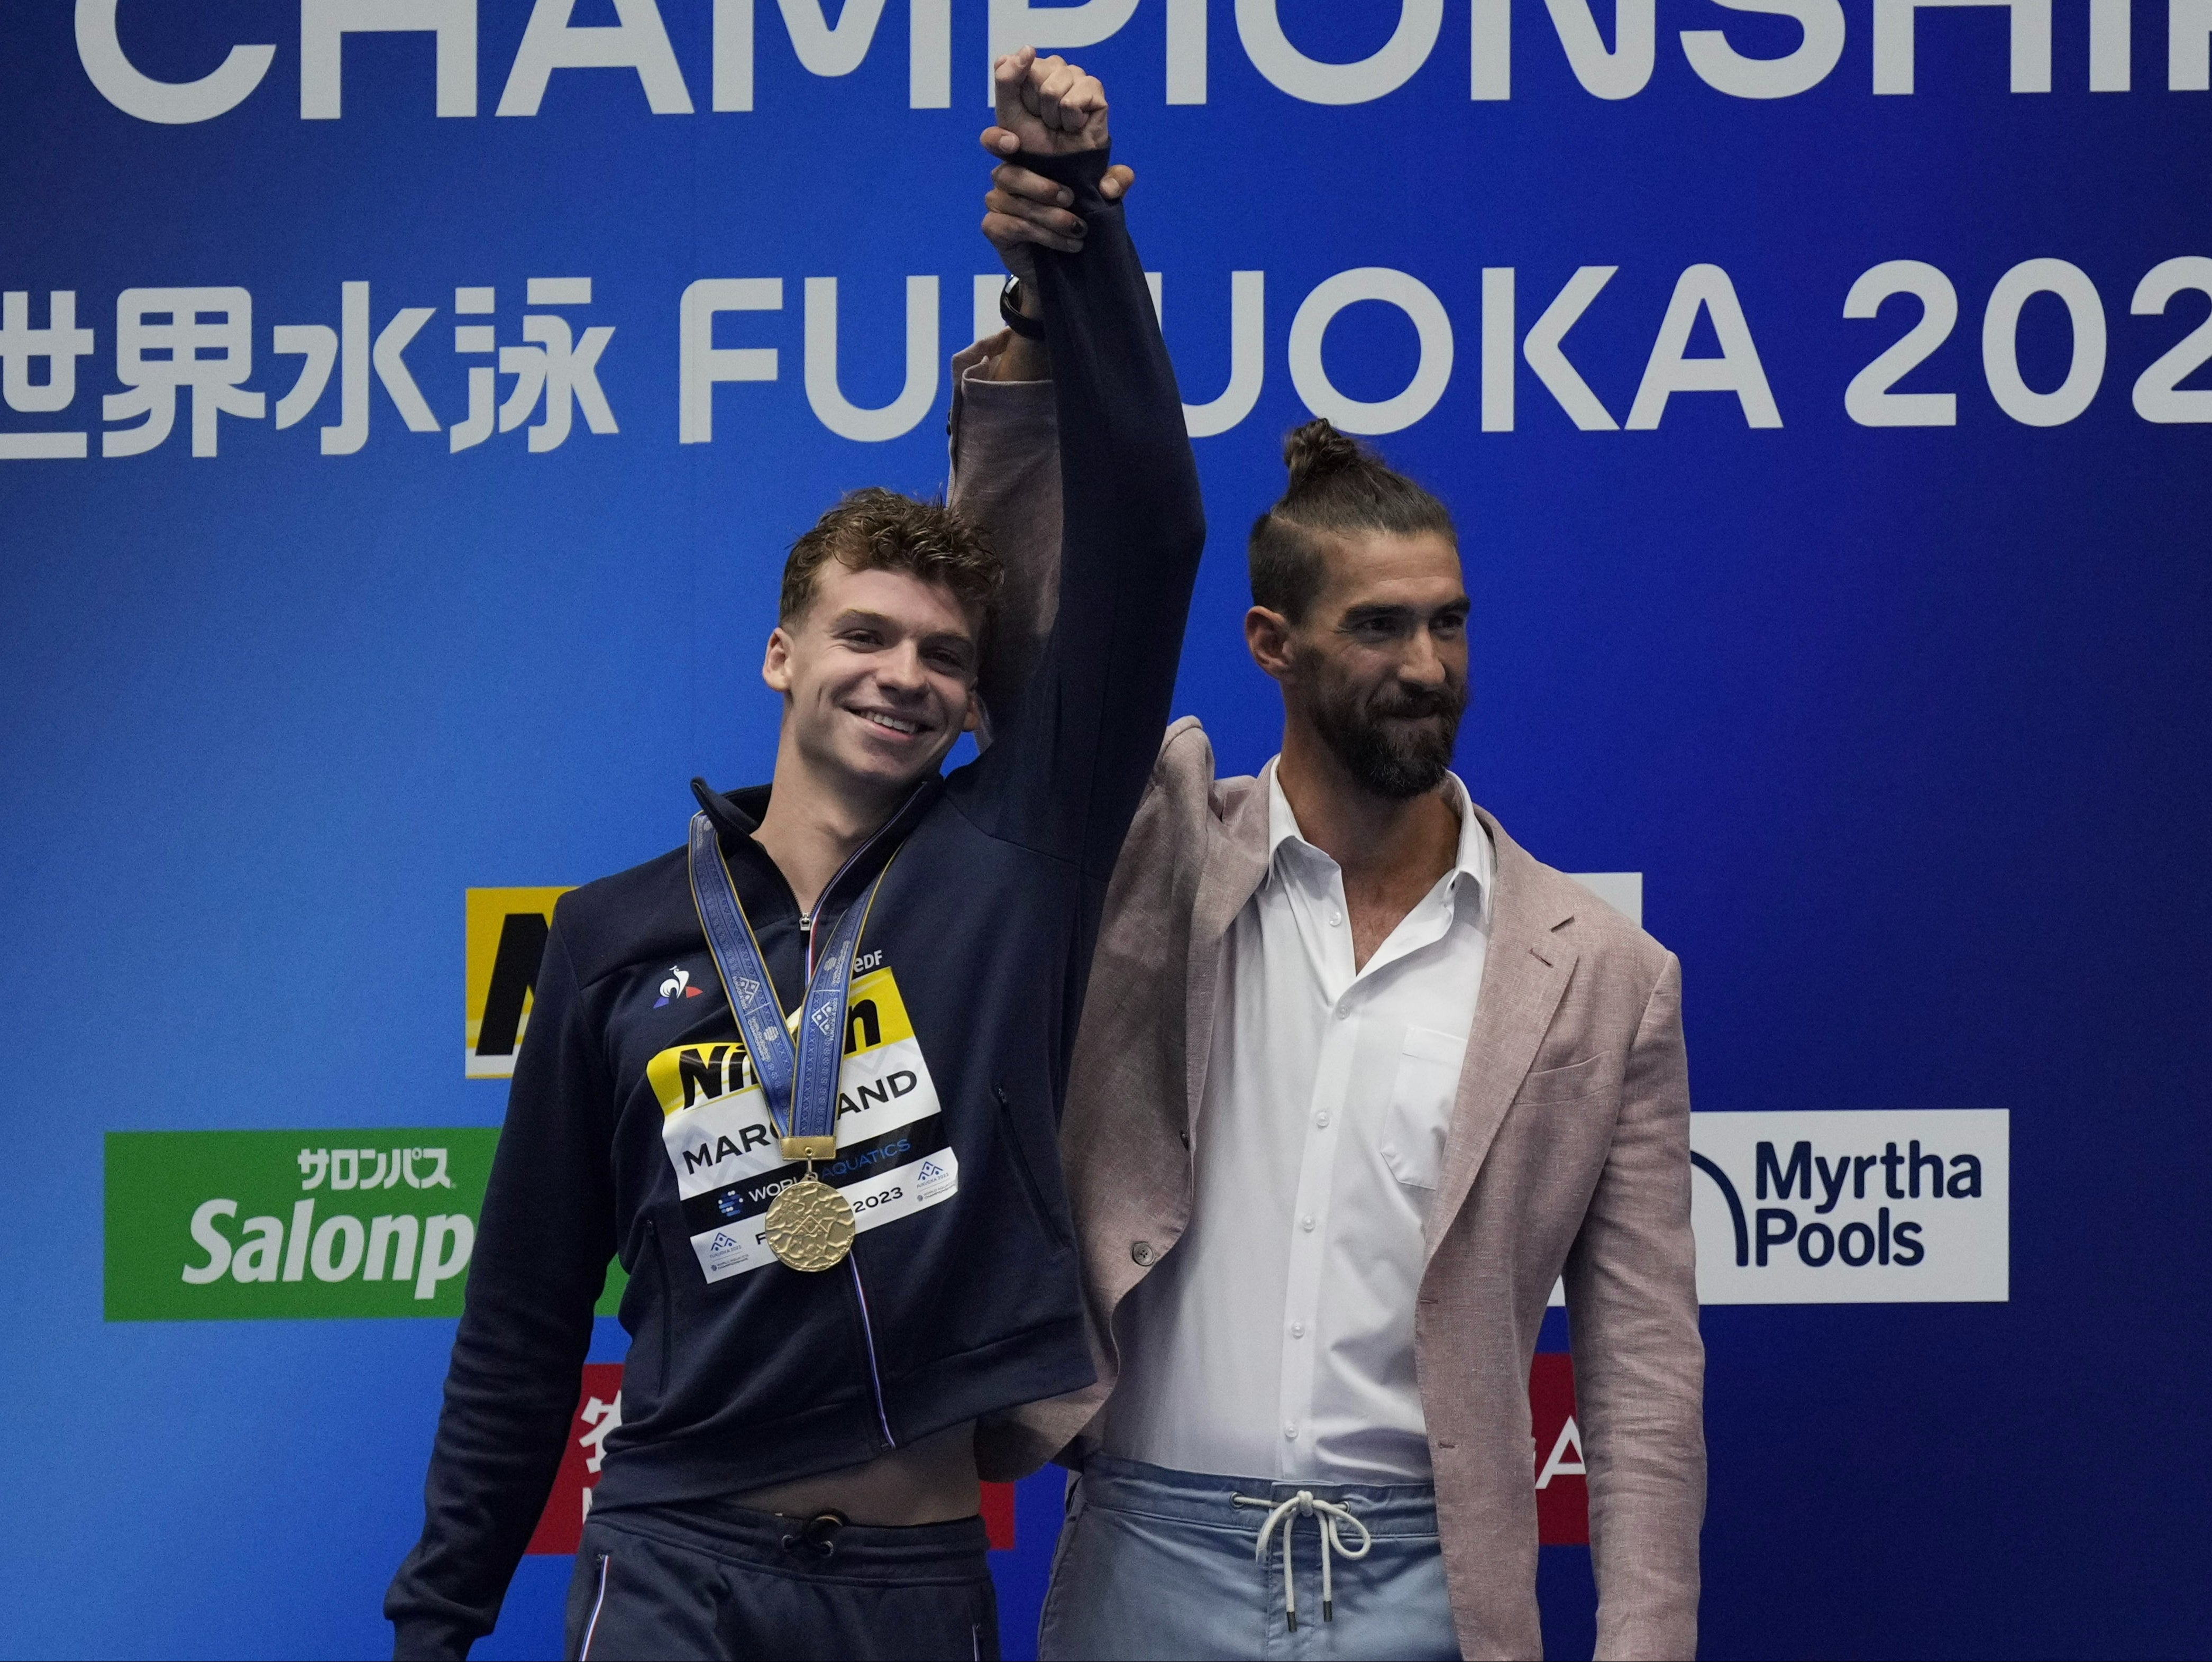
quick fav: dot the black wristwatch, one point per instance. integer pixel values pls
(1028, 328)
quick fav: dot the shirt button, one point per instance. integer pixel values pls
(1336, 918)
(1297, 1330)
(1344, 1013)
(1291, 1432)
(1142, 1252)
(1321, 1118)
(1306, 1223)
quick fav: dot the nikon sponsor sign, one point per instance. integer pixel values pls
(506, 935)
(1872, 1207)
(230, 1224)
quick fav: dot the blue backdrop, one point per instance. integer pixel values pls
(1904, 725)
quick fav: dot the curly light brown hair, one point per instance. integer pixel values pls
(879, 530)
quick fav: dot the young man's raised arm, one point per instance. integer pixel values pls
(1005, 481)
(1074, 750)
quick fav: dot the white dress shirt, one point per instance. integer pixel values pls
(1276, 1340)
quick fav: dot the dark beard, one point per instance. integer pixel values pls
(1393, 758)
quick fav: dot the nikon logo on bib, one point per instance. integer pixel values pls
(892, 1159)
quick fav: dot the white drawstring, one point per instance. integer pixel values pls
(1326, 1513)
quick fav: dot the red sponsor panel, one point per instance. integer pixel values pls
(598, 1411)
(998, 1515)
(1562, 1490)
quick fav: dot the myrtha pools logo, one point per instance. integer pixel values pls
(1874, 1206)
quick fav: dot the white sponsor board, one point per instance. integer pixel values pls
(1843, 1207)
(1622, 891)
(1875, 1206)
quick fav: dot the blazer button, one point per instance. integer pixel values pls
(1142, 1252)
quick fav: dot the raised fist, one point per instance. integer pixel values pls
(1049, 106)
(1046, 107)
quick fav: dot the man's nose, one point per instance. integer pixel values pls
(900, 668)
(1422, 665)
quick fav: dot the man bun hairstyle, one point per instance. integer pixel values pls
(879, 530)
(1338, 486)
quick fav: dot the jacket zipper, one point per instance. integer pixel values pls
(807, 919)
(598, 1604)
(868, 1336)
(859, 1289)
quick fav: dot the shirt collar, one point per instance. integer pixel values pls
(1475, 860)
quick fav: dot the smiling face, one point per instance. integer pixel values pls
(1377, 664)
(878, 675)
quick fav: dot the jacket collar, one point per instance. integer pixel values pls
(1473, 860)
(1524, 976)
(737, 815)
(1237, 852)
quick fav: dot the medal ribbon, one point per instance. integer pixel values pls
(801, 1085)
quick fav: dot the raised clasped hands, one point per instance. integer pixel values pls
(1047, 107)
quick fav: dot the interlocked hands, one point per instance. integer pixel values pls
(1047, 107)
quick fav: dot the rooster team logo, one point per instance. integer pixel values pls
(676, 988)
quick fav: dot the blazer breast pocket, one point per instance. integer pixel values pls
(1412, 1143)
(1569, 1083)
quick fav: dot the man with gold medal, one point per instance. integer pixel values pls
(803, 1075)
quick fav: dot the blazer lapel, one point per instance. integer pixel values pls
(1236, 862)
(1524, 976)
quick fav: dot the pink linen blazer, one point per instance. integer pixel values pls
(1568, 1152)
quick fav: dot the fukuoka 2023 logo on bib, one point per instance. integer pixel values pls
(892, 1157)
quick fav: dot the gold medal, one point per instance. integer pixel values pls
(810, 1225)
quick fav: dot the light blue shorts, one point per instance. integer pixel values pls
(1155, 1563)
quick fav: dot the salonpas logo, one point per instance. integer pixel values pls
(231, 1224)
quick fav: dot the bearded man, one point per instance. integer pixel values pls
(1358, 1080)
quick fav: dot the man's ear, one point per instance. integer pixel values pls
(1267, 636)
(776, 666)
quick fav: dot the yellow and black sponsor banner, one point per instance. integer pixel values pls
(891, 1159)
(507, 931)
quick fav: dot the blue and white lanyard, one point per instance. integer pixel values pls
(801, 1088)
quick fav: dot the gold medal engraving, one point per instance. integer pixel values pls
(810, 1225)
